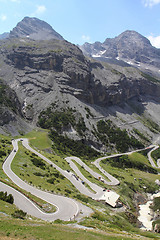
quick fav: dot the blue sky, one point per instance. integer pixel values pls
(79, 21)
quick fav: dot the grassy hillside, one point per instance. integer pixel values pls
(11, 228)
(32, 229)
(106, 222)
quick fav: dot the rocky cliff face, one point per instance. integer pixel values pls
(11, 115)
(55, 72)
(8, 98)
(74, 74)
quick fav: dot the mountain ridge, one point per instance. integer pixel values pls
(55, 73)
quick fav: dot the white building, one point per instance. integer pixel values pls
(110, 198)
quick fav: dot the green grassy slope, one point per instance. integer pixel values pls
(106, 222)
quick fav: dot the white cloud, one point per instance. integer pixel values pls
(85, 38)
(3, 17)
(155, 41)
(150, 3)
(40, 9)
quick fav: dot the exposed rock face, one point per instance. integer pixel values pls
(74, 74)
(34, 28)
(11, 112)
(56, 72)
(6, 116)
(9, 99)
(130, 46)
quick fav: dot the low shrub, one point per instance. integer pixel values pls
(51, 180)
(38, 162)
(19, 214)
(7, 198)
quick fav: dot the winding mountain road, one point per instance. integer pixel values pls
(99, 190)
(151, 159)
(113, 180)
(67, 208)
(76, 182)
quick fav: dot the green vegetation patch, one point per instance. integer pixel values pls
(156, 204)
(5, 149)
(117, 223)
(132, 180)
(150, 78)
(50, 119)
(156, 154)
(18, 229)
(141, 135)
(109, 134)
(60, 120)
(81, 127)
(68, 146)
(37, 161)
(7, 198)
(127, 161)
(6, 208)
(19, 214)
(39, 139)
(89, 113)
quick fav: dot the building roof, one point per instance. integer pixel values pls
(110, 197)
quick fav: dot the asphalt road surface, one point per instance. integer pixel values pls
(151, 159)
(77, 179)
(67, 208)
(114, 181)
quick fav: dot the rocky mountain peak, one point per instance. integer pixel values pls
(34, 28)
(131, 37)
(129, 45)
(130, 48)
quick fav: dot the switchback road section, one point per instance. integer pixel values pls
(67, 208)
